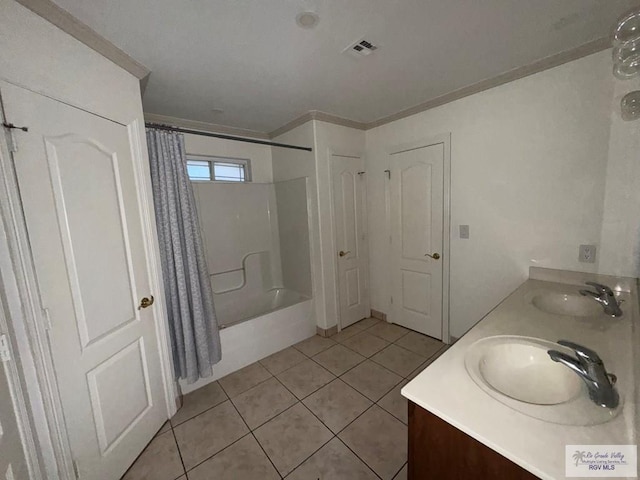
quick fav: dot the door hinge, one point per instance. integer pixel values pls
(388, 172)
(75, 470)
(391, 300)
(13, 143)
(5, 351)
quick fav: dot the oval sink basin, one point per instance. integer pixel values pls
(566, 304)
(517, 372)
(520, 368)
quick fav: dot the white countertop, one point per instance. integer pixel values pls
(446, 389)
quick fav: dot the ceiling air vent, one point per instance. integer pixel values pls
(361, 48)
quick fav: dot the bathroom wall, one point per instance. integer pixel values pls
(528, 169)
(293, 228)
(290, 164)
(620, 238)
(237, 220)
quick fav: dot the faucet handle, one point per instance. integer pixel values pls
(600, 288)
(586, 355)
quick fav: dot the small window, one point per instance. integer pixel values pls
(218, 169)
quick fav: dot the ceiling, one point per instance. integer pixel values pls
(250, 59)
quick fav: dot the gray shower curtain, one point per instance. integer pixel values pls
(195, 338)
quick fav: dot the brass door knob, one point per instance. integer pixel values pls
(146, 302)
(342, 254)
(435, 256)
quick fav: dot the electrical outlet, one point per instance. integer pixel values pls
(587, 254)
(464, 231)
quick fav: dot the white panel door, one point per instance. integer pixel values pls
(349, 200)
(13, 465)
(416, 200)
(78, 188)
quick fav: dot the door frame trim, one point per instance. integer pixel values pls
(445, 140)
(33, 347)
(334, 241)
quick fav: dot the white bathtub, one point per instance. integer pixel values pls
(231, 310)
(286, 319)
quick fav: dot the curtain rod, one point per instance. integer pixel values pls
(226, 137)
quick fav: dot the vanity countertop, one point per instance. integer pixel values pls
(446, 389)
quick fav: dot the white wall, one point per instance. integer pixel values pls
(293, 228)
(620, 242)
(289, 164)
(529, 160)
(237, 220)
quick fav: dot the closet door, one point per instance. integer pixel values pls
(416, 194)
(82, 210)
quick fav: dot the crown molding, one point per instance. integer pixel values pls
(546, 63)
(302, 119)
(203, 126)
(517, 73)
(81, 32)
(321, 117)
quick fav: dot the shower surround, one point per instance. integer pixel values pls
(256, 239)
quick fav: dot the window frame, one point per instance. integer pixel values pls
(212, 160)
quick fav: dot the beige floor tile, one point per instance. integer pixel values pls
(244, 460)
(371, 380)
(334, 461)
(291, 437)
(365, 344)
(208, 433)
(420, 344)
(263, 402)
(367, 323)
(305, 378)
(379, 439)
(338, 359)
(165, 428)
(398, 360)
(425, 364)
(198, 401)
(337, 404)
(345, 333)
(314, 345)
(237, 382)
(282, 360)
(159, 461)
(402, 474)
(387, 331)
(394, 403)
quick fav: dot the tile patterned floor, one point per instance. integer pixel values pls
(326, 408)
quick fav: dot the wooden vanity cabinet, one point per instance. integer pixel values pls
(439, 451)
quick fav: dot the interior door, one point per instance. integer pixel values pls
(13, 464)
(416, 201)
(349, 200)
(78, 189)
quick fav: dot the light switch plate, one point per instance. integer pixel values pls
(587, 254)
(464, 231)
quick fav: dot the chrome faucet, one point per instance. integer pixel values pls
(605, 297)
(590, 369)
